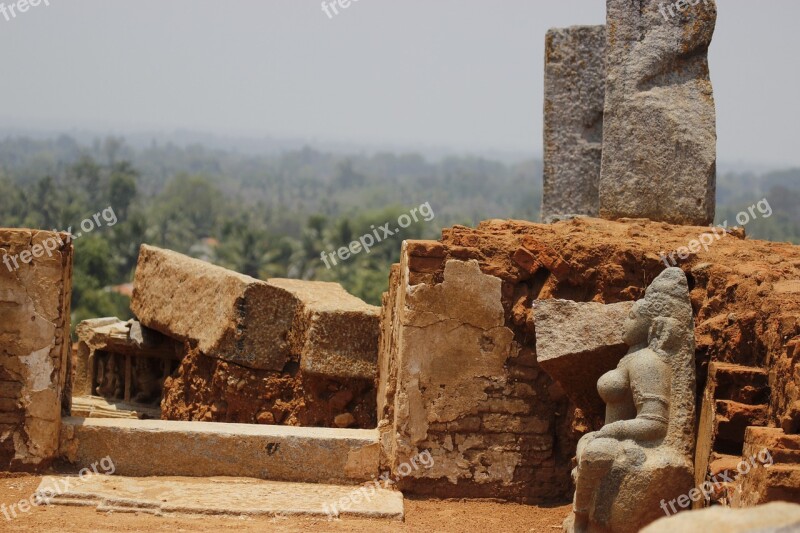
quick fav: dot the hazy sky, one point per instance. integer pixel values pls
(465, 74)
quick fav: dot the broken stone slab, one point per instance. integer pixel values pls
(234, 497)
(143, 448)
(577, 342)
(226, 314)
(35, 292)
(334, 333)
(574, 93)
(253, 323)
(659, 129)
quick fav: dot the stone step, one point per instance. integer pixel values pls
(141, 448)
(732, 419)
(221, 496)
(743, 384)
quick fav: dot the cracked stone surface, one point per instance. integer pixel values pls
(34, 346)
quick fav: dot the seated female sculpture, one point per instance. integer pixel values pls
(643, 453)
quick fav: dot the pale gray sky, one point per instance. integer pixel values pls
(465, 74)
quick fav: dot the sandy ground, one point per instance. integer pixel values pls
(421, 515)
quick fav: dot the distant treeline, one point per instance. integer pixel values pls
(273, 216)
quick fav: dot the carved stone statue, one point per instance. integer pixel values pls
(642, 456)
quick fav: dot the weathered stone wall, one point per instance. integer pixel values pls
(454, 380)
(34, 345)
(574, 92)
(458, 378)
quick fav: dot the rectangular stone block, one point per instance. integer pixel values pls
(577, 342)
(574, 93)
(167, 448)
(659, 129)
(228, 315)
(334, 333)
(253, 323)
(35, 291)
(231, 497)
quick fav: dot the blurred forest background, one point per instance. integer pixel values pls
(273, 215)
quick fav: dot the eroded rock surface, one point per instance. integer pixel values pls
(263, 325)
(454, 381)
(227, 315)
(334, 334)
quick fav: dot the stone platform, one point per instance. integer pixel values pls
(200, 449)
(219, 496)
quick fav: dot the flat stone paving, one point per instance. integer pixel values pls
(219, 496)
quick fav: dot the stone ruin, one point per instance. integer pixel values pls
(34, 339)
(494, 346)
(120, 369)
(630, 126)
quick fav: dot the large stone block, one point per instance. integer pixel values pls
(253, 323)
(334, 333)
(35, 290)
(574, 92)
(659, 132)
(577, 342)
(228, 315)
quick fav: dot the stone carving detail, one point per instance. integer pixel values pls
(643, 453)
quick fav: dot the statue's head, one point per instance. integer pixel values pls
(666, 297)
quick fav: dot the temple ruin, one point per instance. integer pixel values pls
(503, 361)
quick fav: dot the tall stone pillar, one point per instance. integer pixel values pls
(574, 91)
(659, 130)
(35, 290)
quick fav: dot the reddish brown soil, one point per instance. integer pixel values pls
(421, 515)
(262, 396)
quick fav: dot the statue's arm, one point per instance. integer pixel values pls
(637, 429)
(650, 381)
